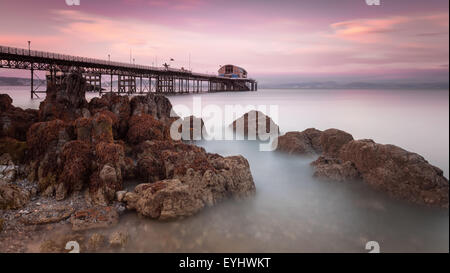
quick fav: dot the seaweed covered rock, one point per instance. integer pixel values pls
(117, 107)
(398, 172)
(332, 141)
(45, 141)
(65, 101)
(191, 180)
(107, 178)
(76, 158)
(255, 123)
(14, 121)
(145, 127)
(301, 143)
(96, 129)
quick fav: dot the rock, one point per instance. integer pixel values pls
(13, 197)
(332, 140)
(117, 105)
(118, 239)
(191, 180)
(398, 172)
(15, 148)
(96, 242)
(5, 102)
(8, 170)
(2, 221)
(301, 143)
(145, 127)
(14, 121)
(156, 105)
(107, 179)
(255, 123)
(96, 129)
(167, 199)
(46, 141)
(48, 216)
(65, 101)
(43, 137)
(76, 158)
(334, 169)
(93, 218)
(120, 195)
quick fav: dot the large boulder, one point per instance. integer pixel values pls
(14, 121)
(332, 140)
(190, 180)
(334, 169)
(65, 101)
(255, 123)
(398, 172)
(301, 143)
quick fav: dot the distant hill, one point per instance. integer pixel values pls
(356, 85)
(12, 81)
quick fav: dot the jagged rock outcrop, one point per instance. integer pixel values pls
(190, 179)
(65, 101)
(398, 172)
(255, 123)
(14, 121)
(301, 143)
(117, 105)
(46, 141)
(107, 179)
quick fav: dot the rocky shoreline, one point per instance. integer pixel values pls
(388, 168)
(66, 164)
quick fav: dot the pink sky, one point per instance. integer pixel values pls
(308, 40)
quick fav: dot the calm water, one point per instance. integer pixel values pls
(292, 212)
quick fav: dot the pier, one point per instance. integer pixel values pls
(130, 78)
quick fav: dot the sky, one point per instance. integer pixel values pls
(275, 41)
